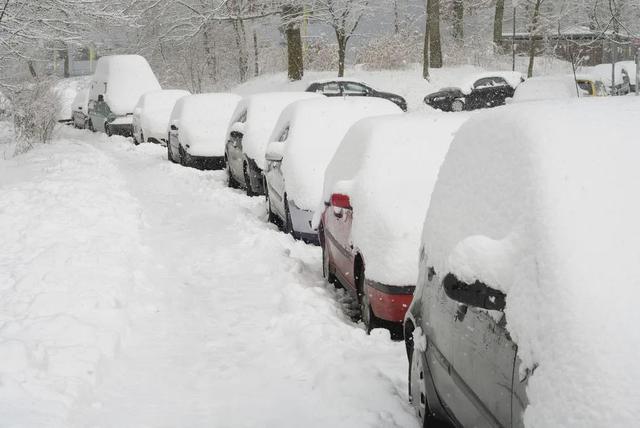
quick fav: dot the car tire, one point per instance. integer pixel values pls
(271, 216)
(135, 140)
(170, 153)
(369, 319)
(247, 181)
(231, 182)
(90, 126)
(183, 156)
(326, 264)
(457, 105)
(108, 130)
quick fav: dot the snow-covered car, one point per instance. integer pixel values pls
(344, 87)
(151, 115)
(590, 86)
(525, 307)
(628, 68)
(373, 210)
(303, 142)
(116, 86)
(79, 116)
(489, 89)
(622, 84)
(546, 88)
(248, 136)
(197, 129)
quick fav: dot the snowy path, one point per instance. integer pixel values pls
(216, 319)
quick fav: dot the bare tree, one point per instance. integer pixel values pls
(435, 44)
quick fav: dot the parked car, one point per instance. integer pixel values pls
(248, 136)
(622, 84)
(590, 86)
(197, 129)
(546, 88)
(151, 115)
(79, 116)
(303, 142)
(116, 86)
(529, 226)
(481, 91)
(341, 87)
(372, 210)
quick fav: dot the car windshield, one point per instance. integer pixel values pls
(331, 88)
(351, 88)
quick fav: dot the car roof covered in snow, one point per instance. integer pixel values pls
(316, 127)
(156, 108)
(127, 77)
(262, 112)
(81, 100)
(380, 164)
(545, 211)
(513, 78)
(338, 79)
(203, 119)
(545, 88)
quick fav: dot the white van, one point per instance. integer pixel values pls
(116, 86)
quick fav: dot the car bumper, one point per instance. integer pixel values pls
(204, 162)
(301, 221)
(389, 302)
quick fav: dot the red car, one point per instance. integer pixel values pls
(376, 194)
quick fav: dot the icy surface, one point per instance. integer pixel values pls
(388, 166)
(546, 88)
(155, 110)
(316, 128)
(543, 212)
(263, 111)
(137, 293)
(127, 77)
(203, 120)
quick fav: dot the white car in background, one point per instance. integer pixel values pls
(197, 128)
(79, 115)
(151, 115)
(546, 88)
(248, 136)
(303, 142)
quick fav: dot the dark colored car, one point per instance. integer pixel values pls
(350, 88)
(485, 92)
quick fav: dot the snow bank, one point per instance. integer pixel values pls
(388, 166)
(203, 121)
(316, 127)
(123, 79)
(155, 110)
(64, 216)
(542, 211)
(545, 88)
(263, 111)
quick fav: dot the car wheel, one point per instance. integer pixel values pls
(108, 130)
(135, 140)
(457, 105)
(369, 320)
(247, 181)
(231, 182)
(182, 156)
(326, 265)
(170, 153)
(417, 386)
(272, 217)
(90, 126)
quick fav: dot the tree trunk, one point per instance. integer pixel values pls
(425, 51)
(295, 62)
(396, 20)
(209, 52)
(256, 62)
(532, 37)
(65, 59)
(342, 51)
(435, 46)
(241, 43)
(497, 26)
(32, 69)
(458, 22)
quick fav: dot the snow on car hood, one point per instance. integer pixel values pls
(537, 200)
(263, 111)
(156, 109)
(203, 120)
(388, 166)
(316, 128)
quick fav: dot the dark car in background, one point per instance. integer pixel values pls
(483, 91)
(352, 88)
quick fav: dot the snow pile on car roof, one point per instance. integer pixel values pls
(263, 111)
(127, 77)
(203, 120)
(388, 166)
(513, 78)
(80, 101)
(538, 200)
(156, 109)
(546, 88)
(316, 128)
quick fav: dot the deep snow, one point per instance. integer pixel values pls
(137, 293)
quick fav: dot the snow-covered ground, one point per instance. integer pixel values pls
(138, 293)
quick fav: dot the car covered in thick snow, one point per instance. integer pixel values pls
(248, 136)
(590, 86)
(622, 84)
(151, 115)
(489, 89)
(525, 308)
(345, 87)
(116, 86)
(376, 193)
(543, 88)
(79, 116)
(303, 142)
(197, 129)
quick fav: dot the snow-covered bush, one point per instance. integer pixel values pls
(321, 56)
(35, 112)
(392, 51)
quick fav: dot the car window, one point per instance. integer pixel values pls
(284, 135)
(351, 88)
(331, 88)
(585, 87)
(487, 82)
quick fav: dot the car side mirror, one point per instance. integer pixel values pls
(100, 98)
(340, 200)
(238, 127)
(275, 151)
(476, 294)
